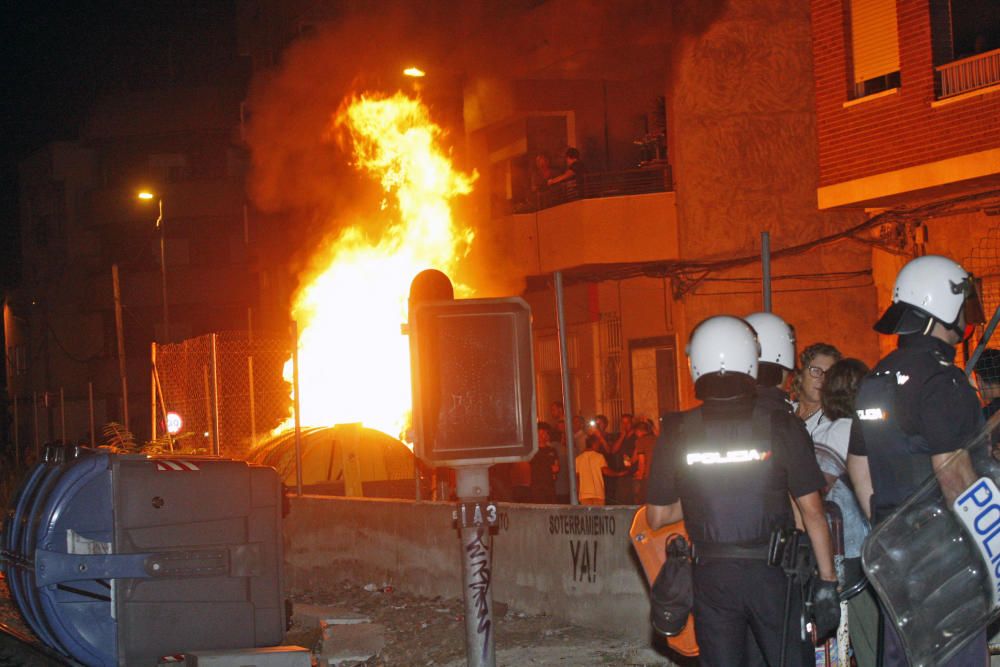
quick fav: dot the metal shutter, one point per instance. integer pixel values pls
(874, 38)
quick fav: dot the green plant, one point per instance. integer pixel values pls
(165, 443)
(118, 439)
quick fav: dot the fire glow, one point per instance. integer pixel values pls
(354, 362)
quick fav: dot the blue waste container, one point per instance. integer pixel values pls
(121, 559)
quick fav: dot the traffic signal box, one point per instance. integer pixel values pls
(473, 381)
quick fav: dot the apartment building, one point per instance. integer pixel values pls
(908, 118)
(80, 216)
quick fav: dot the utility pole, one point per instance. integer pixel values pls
(121, 344)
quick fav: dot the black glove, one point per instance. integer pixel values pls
(825, 608)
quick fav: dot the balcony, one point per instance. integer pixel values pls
(598, 185)
(967, 74)
(621, 228)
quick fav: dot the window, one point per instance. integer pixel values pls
(973, 26)
(874, 39)
(965, 35)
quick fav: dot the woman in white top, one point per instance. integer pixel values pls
(831, 432)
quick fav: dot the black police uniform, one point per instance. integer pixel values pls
(732, 464)
(915, 403)
(775, 397)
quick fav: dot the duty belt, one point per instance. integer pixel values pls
(722, 550)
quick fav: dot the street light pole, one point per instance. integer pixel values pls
(146, 195)
(163, 274)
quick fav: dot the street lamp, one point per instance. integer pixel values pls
(145, 195)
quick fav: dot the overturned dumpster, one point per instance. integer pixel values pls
(121, 559)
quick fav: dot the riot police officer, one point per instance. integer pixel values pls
(777, 357)
(916, 408)
(728, 468)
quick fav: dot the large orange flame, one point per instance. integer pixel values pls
(354, 361)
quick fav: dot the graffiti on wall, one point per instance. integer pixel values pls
(583, 549)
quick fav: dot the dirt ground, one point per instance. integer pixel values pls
(422, 631)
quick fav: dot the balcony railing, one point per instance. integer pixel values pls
(967, 74)
(601, 184)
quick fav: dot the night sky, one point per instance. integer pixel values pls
(59, 56)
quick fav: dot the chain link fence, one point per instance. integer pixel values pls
(225, 388)
(984, 262)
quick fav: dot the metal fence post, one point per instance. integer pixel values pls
(298, 421)
(34, 410)
(570, 461)
(158, 395)
(90, 401)
(253, 403)
(208, 396)
(17, 435)
(62, 414)
(216, 446)
(152, 391)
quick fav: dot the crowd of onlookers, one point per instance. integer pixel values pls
(610, 467)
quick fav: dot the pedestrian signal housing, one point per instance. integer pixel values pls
(473, 381)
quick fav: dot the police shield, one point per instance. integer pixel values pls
(935, 562)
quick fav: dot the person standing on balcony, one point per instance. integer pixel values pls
(543, 173)
(574, 169)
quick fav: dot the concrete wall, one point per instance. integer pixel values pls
(574, 563)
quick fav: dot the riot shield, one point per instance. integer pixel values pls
(935, 562)
(650, 546)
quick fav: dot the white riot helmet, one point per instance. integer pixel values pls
(776, 338)
(724, 345)
(930, 288)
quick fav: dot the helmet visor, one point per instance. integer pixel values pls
(901, 318)
(973, 306)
